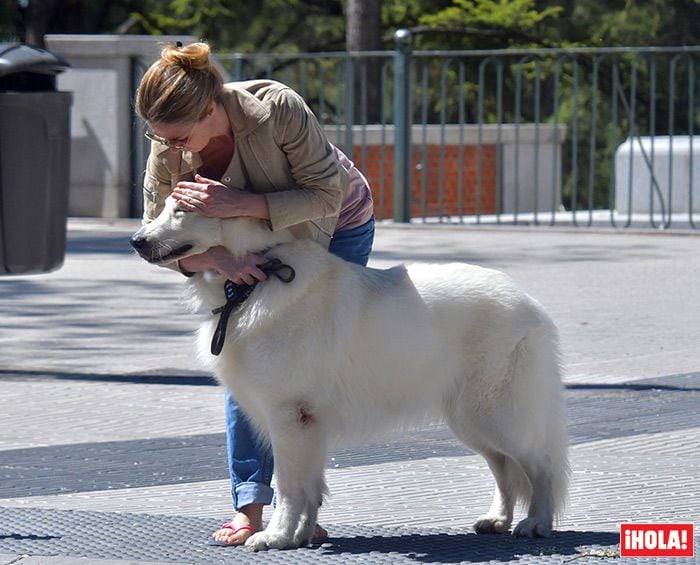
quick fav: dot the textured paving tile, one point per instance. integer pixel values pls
(136, 537)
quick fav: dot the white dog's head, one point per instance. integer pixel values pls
(175, 234)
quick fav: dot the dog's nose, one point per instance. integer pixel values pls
(137, 241)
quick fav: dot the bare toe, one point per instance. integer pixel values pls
(320, 532)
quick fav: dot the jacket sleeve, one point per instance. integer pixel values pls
(318, 177)
(156, 187)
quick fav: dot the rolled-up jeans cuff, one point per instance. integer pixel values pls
(251, 493)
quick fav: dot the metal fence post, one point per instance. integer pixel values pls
(402, 126)
(349, 106)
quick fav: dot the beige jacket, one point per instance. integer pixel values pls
(284, 155)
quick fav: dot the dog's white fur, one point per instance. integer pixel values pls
(343, 351)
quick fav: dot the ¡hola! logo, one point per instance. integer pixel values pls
(656, 540)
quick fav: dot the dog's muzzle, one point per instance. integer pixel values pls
(156, 252)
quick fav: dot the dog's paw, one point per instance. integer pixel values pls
(262, 541)
(304, 535)
(533, 528)
(492, 525)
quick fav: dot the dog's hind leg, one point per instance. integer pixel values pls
(500, 516)
(508, 476)
(537, 447)
(541, 511)
(519, 428)
(543, 452)
(299, 450)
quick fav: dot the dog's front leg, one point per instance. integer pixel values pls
(299, 451)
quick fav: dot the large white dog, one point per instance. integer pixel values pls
(343, 351)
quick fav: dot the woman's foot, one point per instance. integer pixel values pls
(245, 523)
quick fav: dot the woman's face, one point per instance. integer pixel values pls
(188, 136)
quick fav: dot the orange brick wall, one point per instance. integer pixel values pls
(426, 183)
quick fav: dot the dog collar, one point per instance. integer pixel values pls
(236, 294)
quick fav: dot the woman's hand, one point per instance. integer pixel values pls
(207, 197)
(239, 271)
(212, 199)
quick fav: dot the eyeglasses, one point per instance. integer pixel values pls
(169, 144)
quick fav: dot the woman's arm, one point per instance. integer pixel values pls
(318, 190)
(156, 187)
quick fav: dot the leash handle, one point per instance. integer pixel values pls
(236, 294)
(275, 267)
(219, 337)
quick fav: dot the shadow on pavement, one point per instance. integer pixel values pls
(458, 548)
(180, 378)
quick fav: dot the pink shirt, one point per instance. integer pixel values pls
(357, 207)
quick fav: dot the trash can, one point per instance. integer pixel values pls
(34, 160)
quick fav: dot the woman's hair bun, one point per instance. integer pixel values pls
(180, 85)
(192, 57)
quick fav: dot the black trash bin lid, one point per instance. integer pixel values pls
(19, 58)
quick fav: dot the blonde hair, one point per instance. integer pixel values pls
(180, 86)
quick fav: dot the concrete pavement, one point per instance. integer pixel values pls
(111, 435)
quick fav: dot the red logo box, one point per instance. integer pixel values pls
(656, 540)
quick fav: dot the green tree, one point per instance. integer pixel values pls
(29, 20)
(630, 22)
(319, 25)
(487, 23)
(242, 25)
(246, 25)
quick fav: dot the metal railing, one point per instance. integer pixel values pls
(582, 137)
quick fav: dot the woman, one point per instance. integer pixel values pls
(251, 149)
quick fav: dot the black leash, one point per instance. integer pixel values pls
(236, 294)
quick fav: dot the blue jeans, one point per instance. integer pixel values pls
(249, 460)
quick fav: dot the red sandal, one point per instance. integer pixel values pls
(234, 530)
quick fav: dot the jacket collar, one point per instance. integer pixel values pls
(244, 110)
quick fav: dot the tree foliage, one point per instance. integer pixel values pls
(511, 21)
(247, 25)
(319, 25)
(561, 23)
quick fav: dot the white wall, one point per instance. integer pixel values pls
(101, 77)
(637, 180)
